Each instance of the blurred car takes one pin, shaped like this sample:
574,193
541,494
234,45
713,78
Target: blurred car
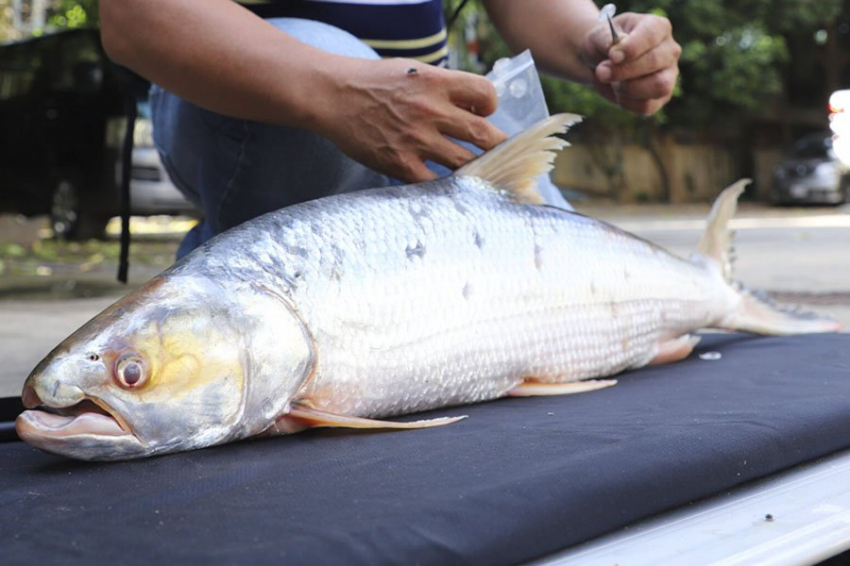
811,174
61,110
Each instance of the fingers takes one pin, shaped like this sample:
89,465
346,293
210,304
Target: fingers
606,90
641,106
458,113
406,158
644,32
412,169
655,86
441,149
597,43
472,92
642,68
478,131
396,114
446,152
662,57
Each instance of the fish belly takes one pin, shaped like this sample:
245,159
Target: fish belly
417,303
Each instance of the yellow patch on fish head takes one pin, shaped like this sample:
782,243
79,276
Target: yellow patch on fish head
186,352
167,369
167,363
191,374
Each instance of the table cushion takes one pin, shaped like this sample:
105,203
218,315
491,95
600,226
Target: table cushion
519,479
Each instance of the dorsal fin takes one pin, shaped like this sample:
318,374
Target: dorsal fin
716,240
514,164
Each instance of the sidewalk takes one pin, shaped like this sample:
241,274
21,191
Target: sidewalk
49,289
30,329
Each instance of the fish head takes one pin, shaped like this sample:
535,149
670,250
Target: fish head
166,369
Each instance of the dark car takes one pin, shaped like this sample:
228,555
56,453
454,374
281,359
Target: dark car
61,130
811,174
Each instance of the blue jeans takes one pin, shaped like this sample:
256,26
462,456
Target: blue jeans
235,169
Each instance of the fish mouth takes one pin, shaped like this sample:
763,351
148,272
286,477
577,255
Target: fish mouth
79,430
85,417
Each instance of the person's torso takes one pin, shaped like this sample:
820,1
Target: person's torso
394,28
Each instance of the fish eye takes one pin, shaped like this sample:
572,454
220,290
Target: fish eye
93,357
131,371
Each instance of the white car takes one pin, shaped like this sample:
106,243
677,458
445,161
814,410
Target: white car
811,174
151,190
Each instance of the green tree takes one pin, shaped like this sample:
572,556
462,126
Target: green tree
27,18
73,14
734,54
734,58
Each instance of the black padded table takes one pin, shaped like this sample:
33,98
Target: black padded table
519,479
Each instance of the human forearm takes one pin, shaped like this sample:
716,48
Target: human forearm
552,29
639,72
226,60
378,112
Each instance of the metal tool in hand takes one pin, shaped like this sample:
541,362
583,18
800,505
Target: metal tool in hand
607,12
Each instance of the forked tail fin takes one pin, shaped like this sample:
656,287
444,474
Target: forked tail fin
755,311
759,314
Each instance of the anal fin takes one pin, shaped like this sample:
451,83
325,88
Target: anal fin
302,417
675,349
530,388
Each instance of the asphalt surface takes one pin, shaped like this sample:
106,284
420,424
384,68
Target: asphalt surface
801,256
29,329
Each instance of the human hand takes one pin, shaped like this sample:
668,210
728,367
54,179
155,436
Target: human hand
393,115
639,72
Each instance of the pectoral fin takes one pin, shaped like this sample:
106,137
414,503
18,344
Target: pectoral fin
536,388
302,417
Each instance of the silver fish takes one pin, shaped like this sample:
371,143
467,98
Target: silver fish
362,306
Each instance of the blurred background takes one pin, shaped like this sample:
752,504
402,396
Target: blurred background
756,79
761,95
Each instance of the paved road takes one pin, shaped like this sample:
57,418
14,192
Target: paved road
30,329
800,255
803,255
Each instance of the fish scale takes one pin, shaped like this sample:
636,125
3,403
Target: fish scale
395,320
353,308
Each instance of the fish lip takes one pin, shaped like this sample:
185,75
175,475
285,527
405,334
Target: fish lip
72,429
92,438
52,425
33,402
81,446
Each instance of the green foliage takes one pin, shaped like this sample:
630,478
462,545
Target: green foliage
732,64
564,96
738,73
733,54
73,14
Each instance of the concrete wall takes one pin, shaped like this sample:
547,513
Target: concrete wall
764,162
697,172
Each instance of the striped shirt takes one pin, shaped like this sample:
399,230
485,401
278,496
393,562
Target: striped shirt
414,29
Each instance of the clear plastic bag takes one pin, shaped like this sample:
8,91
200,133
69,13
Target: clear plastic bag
522,104
521,101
